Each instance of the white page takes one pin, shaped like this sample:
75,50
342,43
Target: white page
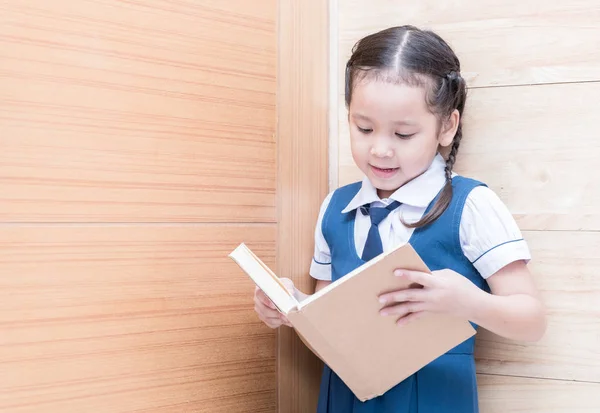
264,278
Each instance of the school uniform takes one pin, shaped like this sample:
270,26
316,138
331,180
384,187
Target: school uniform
476,236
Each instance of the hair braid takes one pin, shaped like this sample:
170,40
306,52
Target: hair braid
407,54
453,152
453,82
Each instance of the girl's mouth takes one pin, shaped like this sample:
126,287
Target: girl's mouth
383,172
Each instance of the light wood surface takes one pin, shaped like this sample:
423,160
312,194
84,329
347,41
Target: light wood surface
137,149
147,111
499,43
535,146
566,267
502,394
302,177
132,318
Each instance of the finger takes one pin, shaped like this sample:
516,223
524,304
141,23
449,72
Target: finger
273,324
409,318
267,312
423,278
403,309
275,321
410,294
284,320
289,285
269,321
260,294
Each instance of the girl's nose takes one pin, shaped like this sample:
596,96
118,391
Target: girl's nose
381,149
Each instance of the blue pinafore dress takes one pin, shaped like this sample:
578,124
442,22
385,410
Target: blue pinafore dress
446,385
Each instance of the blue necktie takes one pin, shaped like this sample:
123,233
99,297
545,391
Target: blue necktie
373,246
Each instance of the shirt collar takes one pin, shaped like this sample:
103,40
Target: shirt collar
417,193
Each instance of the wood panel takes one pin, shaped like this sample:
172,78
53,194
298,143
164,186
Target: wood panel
500,394
499,43
527,143
137,111
132,318
302,177
535,146
565,265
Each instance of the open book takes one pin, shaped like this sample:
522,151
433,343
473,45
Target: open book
341,323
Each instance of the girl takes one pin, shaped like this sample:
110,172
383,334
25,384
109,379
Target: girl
405,97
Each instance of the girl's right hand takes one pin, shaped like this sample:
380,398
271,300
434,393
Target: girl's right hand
267,311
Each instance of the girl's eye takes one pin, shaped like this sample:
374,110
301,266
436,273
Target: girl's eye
364,130
401,136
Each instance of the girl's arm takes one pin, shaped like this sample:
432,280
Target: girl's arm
266,310
512,310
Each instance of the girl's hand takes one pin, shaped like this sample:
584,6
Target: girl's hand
443,291
267,311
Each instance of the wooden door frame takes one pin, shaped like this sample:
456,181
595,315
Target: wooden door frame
302,176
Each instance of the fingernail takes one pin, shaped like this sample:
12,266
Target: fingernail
382,300
398,273
383,313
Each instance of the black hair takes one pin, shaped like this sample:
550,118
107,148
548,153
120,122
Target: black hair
416,57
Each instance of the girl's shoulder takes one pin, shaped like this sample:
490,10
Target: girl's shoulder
478,195
468,183
341,195
489,234
347,190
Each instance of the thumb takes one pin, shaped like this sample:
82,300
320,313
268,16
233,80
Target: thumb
289,284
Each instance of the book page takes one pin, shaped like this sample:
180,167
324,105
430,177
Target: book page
346,278
264,278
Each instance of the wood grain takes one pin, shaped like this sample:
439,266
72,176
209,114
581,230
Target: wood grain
500,394
130,111
499,43
132,318
302,177
534,146
565,265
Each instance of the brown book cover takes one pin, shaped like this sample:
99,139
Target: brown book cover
341,323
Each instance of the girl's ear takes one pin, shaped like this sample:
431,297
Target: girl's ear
449,128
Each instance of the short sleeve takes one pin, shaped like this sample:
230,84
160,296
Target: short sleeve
320,267
490,238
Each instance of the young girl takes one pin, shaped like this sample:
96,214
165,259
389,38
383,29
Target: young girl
406,96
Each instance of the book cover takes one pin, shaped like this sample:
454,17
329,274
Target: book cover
341,323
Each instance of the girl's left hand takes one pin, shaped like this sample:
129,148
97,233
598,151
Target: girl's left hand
442,291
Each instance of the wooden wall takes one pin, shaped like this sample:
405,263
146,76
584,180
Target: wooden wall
137,149
531,133
302,149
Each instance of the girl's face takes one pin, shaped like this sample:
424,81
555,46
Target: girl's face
394,137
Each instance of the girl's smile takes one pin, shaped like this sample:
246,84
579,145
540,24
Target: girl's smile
384,173
394,135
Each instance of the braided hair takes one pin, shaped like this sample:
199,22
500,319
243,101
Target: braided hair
419,58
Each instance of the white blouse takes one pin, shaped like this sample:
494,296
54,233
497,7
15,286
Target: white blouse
489,235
